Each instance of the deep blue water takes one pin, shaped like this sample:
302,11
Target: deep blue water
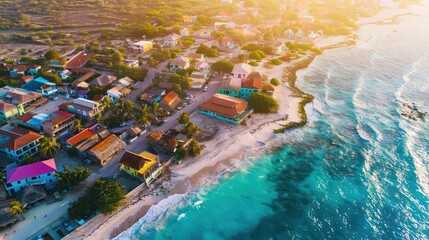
358,170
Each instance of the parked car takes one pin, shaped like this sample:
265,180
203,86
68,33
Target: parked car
205,88
179,107
68,227
87,161
80,222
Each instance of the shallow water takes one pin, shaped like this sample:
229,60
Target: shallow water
358,170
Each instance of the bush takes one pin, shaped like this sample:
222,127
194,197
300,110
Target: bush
222,66
262,103
253,63
275,81
207,51
276,61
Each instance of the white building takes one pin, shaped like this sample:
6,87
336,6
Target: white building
39,173
241,70
142,46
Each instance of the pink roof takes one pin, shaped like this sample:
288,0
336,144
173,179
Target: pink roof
31,170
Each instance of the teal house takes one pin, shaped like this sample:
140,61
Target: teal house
250,86
230,87
24,69
41,85
226,108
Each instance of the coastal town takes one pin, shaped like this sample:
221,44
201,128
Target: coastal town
91,128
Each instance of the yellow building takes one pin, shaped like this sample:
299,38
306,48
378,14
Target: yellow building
142,46
140,165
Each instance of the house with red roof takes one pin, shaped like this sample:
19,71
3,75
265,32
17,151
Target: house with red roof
39,173
24,69
14,102
250,86
79,60
228,42
229,109
16,142
170,101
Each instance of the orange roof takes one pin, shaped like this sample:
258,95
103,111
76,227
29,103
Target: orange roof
4,107
24,67
156,135
227,39
19,137
252,83
26,117
171,96
104,144
61,117
225,105
85,134
79,60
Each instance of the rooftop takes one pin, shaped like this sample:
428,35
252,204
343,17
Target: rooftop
225,105
31,170
253,83
79,60
242,68
139,162
15,138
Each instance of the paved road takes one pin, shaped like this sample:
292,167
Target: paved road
56,210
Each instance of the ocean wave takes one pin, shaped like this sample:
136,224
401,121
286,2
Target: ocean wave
152,216
406,79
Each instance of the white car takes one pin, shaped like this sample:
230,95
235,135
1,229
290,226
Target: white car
205,88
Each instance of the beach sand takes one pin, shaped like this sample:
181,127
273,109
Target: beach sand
221,152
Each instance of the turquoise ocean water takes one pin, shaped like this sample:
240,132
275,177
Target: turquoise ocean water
358,170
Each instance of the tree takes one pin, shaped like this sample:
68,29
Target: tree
48,146
77,126
107,195
190,130
143,118
183,118
17,209
194,148
53,77
207,51
275,81
52,54
222,66
117,58
71,178
156,109
262,103
182,153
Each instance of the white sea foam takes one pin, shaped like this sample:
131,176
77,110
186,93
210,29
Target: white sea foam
181,216
154,213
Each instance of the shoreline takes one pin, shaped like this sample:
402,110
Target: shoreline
195,173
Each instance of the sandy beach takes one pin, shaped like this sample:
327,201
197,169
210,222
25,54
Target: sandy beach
222,152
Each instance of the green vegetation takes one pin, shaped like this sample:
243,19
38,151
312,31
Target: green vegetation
105,196
68,178
253,63
207,51
306,98
194,149
17,209
276,61
275,81
222,66
263,103
257,55
10,82
48,146
52,54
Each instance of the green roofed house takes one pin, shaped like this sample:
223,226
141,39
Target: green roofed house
230,109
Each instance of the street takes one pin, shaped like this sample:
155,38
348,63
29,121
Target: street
30,226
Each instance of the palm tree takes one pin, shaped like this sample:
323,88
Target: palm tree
77,126
17,209
183,118
48,146
194,148
143,118
191,130
129,109
156,109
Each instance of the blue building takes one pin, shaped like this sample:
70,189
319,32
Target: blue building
250,86
42,86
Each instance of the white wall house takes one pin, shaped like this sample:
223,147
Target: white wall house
39,173
16,142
